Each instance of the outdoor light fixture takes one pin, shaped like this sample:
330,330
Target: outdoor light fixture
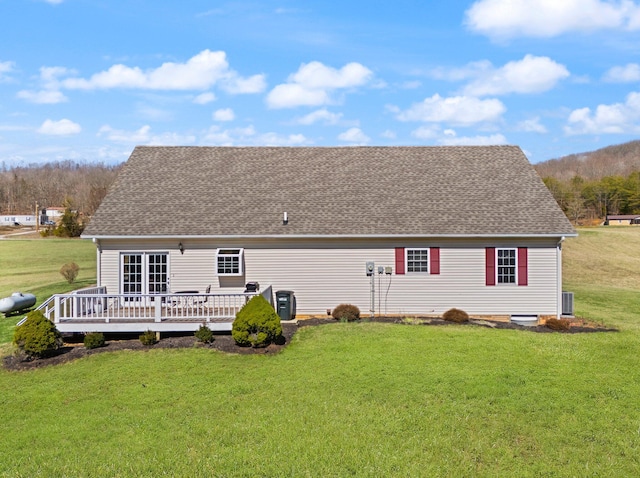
181,248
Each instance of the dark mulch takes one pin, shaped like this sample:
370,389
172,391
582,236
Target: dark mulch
74,349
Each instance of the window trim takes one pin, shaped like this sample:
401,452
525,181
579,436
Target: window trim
427,260
230,252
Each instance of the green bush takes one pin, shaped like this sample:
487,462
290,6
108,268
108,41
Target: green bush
256,324
148,338
70,271
456,315
70,224
204,334
558,324
37,336
94,340
346,313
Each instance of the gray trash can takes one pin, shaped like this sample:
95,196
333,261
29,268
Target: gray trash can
286,304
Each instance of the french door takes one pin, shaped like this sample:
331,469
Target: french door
144,273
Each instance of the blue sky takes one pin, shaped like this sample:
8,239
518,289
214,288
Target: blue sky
87,80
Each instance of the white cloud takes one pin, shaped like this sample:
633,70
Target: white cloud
144,136
224,114
623,74
426,132
354,135
200,72
389,134
275,139
249,137
237,85
531,126
607,119
532,74
5,67
323,115
292,95
462,110
314,82
502,19
451,139
49,97
204,98
64,127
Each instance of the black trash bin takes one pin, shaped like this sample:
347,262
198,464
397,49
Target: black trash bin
286,304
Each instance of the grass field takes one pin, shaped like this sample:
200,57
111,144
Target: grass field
354,399
33,266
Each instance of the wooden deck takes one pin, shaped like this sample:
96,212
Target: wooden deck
93,310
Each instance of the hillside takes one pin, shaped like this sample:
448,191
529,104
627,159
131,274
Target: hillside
617,160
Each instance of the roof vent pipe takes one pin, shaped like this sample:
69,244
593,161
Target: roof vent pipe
285,219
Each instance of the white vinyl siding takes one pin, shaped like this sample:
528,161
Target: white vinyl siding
325,273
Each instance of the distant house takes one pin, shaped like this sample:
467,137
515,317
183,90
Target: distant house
54,213
439,227
623,219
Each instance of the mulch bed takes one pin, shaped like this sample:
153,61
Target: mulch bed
74,349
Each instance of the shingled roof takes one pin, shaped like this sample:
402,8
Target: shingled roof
328,191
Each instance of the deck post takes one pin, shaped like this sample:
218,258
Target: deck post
56,310
158,309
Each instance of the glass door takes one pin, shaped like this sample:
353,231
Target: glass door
132,275
144,273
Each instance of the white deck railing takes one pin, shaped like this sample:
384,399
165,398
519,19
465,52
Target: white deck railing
143,307
92,309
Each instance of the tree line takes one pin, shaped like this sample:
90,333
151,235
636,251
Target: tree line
82,186
590,199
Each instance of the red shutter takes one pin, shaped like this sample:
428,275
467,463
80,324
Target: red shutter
434,260
490,266
399,260
523,273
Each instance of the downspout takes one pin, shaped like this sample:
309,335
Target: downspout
98,261
559,277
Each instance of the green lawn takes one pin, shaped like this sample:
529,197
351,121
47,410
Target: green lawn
350,400
33,266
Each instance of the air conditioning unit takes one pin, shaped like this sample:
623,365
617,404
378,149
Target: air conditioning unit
567,303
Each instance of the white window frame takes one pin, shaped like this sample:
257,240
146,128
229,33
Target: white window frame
407,261
230,253
515,266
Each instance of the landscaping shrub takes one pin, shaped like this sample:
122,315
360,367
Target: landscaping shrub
148,338
559,324
204,334
456,315
70,271
256,324
93,340
37,336
346,312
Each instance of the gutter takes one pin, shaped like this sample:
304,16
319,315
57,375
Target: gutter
333,236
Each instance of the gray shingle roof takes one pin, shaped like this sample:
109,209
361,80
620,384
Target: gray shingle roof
216,191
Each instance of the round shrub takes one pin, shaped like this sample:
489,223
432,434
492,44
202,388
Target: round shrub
37,336
456,315
256,324
204,334
346,313
148,338
94,340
